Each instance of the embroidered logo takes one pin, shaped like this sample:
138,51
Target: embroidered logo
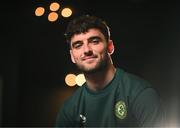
120,110
83,118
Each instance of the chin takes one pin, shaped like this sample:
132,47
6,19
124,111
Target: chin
90,70
93,67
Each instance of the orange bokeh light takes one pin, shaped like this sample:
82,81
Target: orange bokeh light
39,11
54,6
53,16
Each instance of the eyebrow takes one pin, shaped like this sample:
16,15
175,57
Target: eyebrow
89,39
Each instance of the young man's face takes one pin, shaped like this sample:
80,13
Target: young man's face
90,51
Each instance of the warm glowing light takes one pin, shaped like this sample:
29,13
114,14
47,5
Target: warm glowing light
70,80
53,16
39,11
66,12
54,6
80,79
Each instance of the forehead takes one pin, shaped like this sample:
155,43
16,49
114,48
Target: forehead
84,36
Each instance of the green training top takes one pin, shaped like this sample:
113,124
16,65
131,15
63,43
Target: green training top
127,101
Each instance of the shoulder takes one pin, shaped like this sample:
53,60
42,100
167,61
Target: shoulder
67,111
131,84
70,105
143,100
133,81
74,98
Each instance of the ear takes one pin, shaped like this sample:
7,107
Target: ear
72,57
110,47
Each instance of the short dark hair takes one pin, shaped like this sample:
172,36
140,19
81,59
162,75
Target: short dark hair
85,22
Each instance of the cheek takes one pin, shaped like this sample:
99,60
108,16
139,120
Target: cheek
99,49
76,56
103,51
104,54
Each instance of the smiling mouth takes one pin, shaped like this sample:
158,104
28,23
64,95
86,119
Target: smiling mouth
88,58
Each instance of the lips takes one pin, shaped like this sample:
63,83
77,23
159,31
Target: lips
88,58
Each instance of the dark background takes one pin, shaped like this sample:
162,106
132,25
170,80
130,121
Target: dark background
34,57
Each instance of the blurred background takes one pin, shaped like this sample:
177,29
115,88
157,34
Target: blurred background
34,56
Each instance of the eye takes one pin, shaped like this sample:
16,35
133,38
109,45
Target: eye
77,45
95,40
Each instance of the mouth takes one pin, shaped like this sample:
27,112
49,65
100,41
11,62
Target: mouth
88,58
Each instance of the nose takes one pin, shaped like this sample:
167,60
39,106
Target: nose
87,50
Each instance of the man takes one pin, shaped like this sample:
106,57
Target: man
110,97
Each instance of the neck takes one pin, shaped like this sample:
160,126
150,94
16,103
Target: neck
99,80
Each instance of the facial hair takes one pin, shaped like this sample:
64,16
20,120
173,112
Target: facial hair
100,65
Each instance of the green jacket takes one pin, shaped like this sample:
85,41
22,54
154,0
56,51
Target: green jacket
127,101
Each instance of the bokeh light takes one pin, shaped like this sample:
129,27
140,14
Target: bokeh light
53,16
54,6
80,79
54,11
39,11
70,80
66,12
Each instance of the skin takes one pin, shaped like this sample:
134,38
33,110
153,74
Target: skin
91,53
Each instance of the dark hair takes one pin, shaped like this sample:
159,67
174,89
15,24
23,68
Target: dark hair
85,22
